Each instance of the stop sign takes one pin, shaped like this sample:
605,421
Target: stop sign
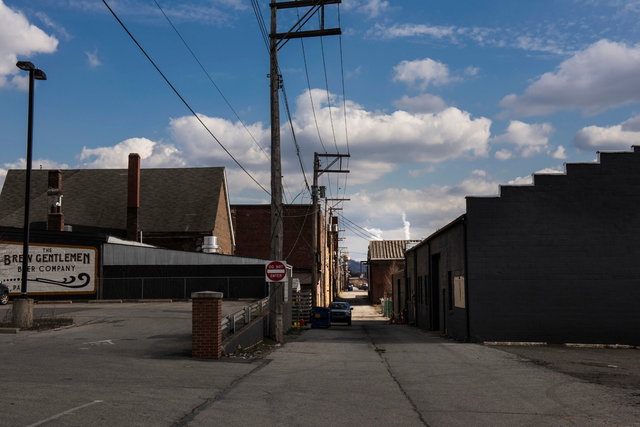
275,271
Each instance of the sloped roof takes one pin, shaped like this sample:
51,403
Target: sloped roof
171,200
388,249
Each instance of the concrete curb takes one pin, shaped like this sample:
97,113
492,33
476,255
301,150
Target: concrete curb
54,302
9,330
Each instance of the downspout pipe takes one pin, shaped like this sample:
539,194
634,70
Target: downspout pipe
466,276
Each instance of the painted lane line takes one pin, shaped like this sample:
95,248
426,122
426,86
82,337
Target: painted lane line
65,413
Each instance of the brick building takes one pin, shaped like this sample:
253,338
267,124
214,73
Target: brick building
252,230
556,261
172,208
384,258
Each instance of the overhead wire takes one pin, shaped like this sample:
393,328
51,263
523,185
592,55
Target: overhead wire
264,33
183,100
344,104
210,78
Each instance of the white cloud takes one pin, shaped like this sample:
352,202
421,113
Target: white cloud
617,137
200,148
53,25
36,164
518,38
92,57
422,72
395,137
602,76
425,103
429,208
559,153
530,139
371,8
528,180
152,155
503,154
410,30
19,38
471,71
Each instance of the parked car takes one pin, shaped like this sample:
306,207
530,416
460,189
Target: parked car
4,294
364,287
340,312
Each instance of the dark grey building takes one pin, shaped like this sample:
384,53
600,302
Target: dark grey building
556,261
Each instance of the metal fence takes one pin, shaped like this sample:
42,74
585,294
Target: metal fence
181,287
236,321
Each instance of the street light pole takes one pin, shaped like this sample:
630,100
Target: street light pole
34,74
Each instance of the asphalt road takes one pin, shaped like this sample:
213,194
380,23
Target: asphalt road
130,364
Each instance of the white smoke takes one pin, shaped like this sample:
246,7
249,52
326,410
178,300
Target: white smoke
406,226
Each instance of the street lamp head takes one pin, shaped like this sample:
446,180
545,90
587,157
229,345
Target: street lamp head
25,65
38,74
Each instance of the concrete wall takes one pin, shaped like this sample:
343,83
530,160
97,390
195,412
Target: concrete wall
558,261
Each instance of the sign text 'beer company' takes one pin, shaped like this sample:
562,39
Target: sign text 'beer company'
51,268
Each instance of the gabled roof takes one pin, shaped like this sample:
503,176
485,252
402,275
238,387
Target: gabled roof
388,249
171,200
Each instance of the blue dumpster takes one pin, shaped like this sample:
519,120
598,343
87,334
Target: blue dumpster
321,317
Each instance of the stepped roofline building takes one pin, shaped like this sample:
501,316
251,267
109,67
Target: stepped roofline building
555,261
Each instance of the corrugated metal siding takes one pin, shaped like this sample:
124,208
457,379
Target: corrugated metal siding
114,254
388,249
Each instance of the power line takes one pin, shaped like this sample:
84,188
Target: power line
261,24
326,83
182,99
210,78
356,225
295,141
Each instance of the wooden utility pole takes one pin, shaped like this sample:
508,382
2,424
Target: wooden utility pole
317,171
276,168
277,40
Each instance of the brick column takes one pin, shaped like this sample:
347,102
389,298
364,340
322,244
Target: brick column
206,326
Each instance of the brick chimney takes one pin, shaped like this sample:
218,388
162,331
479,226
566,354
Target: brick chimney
55,217
133,197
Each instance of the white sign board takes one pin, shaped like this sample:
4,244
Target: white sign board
52,269
458,291
275,271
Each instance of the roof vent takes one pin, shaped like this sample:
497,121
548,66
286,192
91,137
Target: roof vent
210,245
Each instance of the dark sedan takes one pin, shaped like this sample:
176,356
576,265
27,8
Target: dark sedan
340,312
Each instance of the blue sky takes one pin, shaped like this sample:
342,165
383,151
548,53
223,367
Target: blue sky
443,98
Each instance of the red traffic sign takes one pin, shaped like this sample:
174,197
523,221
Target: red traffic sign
275,271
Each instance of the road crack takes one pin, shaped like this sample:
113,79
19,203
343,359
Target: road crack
380,352
184,421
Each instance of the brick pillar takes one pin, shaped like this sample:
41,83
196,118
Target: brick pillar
206,325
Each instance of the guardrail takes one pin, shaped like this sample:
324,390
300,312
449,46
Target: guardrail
235,321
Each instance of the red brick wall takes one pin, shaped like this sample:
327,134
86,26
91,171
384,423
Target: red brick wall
206,326
252,226
380,273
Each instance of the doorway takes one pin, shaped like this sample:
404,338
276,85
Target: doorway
434,285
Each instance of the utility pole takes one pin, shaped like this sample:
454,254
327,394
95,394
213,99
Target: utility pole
317,171
277,41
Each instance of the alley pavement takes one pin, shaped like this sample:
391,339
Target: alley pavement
130,364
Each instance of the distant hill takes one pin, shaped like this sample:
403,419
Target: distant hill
354,267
